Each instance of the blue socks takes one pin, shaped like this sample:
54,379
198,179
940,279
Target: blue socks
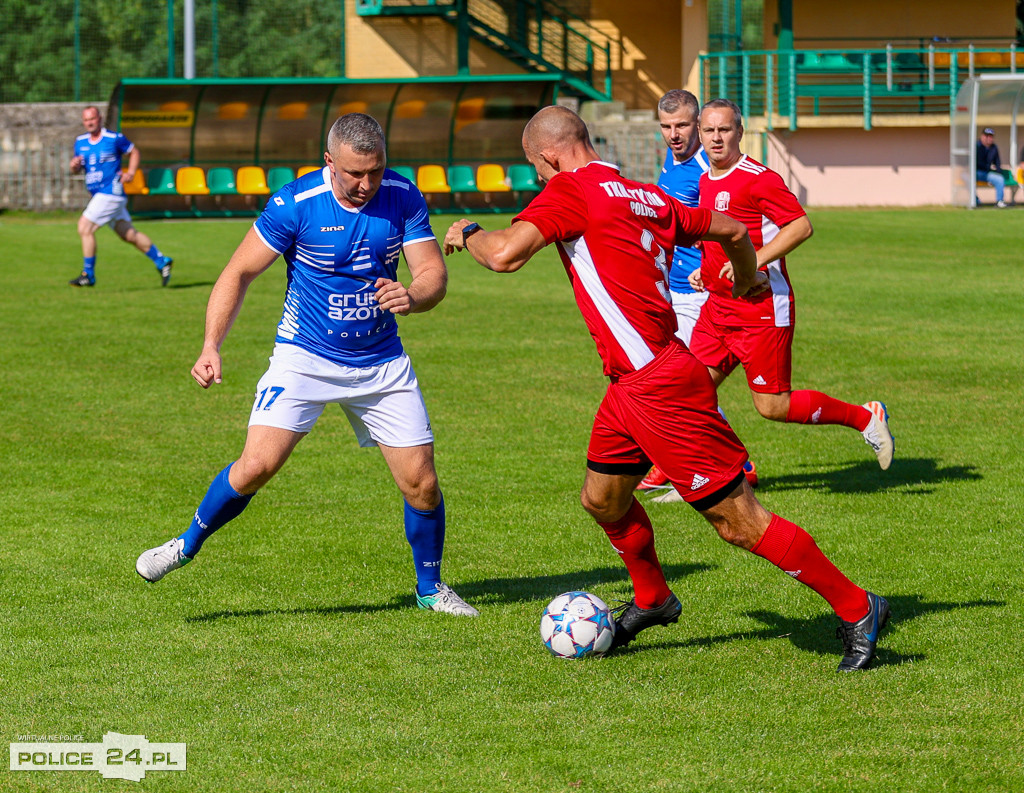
154,254
220,504
89,266
424,529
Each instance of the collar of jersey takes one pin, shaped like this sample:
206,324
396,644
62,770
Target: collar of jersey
734,166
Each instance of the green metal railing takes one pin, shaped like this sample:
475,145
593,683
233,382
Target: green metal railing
540,35
783,85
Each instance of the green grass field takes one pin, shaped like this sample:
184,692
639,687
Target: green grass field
290,656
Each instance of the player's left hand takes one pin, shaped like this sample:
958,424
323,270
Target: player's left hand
453,237
393,296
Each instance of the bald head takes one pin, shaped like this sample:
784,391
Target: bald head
555,127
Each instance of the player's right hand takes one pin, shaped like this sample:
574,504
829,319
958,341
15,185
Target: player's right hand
206,371
696,282
756,287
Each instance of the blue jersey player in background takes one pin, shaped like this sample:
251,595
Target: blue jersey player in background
340,231
685,163
99,152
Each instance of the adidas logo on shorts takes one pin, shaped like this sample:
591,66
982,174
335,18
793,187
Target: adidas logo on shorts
699,482
759,381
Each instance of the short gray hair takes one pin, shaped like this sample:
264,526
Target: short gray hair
675,99
736,112
359,131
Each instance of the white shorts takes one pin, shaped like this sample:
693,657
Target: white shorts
383,403
103,209
687,306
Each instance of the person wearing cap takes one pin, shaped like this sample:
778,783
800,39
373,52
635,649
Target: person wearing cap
990,168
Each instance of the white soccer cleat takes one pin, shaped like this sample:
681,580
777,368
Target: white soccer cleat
445,600
877,435
155,563
671,497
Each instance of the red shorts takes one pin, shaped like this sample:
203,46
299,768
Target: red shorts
666,413
766,352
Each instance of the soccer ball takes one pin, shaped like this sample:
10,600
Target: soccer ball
577,625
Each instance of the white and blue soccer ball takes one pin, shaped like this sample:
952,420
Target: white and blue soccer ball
577,625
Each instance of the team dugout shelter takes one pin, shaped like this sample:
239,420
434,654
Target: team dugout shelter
221,147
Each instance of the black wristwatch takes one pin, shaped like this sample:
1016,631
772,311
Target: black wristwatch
472,228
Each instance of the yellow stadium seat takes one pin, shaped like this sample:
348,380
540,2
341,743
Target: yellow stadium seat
191,181
175,107
355,106
233,111
411,108
308,169
469,111
432,179
293,111
490,178
137,186
252,180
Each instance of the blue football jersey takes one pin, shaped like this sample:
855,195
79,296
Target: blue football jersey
334,255
681,180
103,161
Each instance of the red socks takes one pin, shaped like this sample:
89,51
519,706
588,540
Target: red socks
792,549
633,537
814,407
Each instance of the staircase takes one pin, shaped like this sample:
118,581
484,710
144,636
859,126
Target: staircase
537,35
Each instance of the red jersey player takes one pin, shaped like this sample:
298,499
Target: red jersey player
757,332
615,238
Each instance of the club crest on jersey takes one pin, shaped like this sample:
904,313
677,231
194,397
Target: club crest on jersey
722,201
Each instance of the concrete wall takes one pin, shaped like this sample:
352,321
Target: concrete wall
854,167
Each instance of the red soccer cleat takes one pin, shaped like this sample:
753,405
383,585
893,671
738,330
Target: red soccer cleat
654,480
750,471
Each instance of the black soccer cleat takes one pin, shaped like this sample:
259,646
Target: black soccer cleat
82,280
634,619
859,638
165,270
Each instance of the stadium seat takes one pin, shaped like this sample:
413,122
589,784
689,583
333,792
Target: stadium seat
293,111
308,169
160,181
191,181
233,111
469,111
221,181
355,106
404,170
252,180
490,178
522,177
431,179
279,177
411,108
460,179
137,186
175,107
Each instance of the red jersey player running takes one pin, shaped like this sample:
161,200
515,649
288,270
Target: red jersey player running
758,332
615,238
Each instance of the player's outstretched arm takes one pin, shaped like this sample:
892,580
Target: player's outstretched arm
732,235
502,250
250,259
428,285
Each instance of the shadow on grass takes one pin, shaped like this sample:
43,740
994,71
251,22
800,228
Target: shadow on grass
819,635
915,476
189,284
486,592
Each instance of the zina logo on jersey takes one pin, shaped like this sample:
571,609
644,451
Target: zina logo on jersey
722,201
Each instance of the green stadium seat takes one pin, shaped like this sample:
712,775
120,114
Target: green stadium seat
278,177
221,181
461,179
160,181
406,171
523,177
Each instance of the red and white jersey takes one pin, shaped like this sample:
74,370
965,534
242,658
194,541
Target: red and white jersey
616,239
756,196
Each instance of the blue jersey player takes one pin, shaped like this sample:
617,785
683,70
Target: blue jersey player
99,152
685,163
340,231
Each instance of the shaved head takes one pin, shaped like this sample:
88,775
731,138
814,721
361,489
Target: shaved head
555,127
